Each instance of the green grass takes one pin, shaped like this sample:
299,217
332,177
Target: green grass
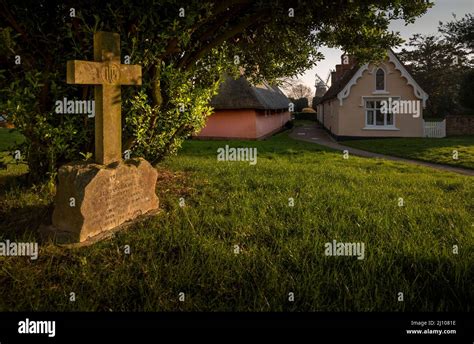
303,122
191,249
432,150
9,138
9,169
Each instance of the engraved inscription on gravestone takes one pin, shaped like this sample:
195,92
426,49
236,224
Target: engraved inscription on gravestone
111,73
106,197
119,196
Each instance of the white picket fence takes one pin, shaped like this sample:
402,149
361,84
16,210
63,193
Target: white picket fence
434,129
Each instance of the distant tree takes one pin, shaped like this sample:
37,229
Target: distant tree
183,47
466,93
460,31
299,103
300,91
439,63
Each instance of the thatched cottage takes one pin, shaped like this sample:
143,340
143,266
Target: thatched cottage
244,111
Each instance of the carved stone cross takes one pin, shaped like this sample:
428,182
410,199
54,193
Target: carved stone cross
108,74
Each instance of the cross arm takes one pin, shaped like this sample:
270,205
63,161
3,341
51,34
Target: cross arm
84,72
130,74
92,73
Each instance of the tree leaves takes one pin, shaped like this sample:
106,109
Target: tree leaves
194,51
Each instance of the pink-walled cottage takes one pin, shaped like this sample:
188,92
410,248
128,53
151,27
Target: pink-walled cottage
244,111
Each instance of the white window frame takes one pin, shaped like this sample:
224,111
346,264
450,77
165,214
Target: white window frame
374,126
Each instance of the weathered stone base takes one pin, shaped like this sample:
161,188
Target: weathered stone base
93,199
64,239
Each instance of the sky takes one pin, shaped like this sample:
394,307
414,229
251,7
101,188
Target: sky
427,24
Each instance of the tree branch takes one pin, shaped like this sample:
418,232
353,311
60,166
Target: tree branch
191,57
9,18
215,26
221,7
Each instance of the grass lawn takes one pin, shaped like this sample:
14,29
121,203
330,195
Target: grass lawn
432,150
303,123
9,170
8,138
192,249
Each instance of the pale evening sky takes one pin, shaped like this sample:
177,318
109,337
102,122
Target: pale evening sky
427,24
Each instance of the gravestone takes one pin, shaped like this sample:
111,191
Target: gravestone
93,198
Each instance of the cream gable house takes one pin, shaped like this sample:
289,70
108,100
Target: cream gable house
372,100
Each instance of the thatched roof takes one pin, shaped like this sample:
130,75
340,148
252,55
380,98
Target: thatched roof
240,94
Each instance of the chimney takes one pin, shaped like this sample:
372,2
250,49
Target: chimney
338,71
347,62
333,78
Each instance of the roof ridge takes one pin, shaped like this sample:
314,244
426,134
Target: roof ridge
241,94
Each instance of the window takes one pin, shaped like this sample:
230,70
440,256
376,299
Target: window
374,117
380,80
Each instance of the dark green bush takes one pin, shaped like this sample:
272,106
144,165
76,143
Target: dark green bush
466,92
305,116
299,104
289,124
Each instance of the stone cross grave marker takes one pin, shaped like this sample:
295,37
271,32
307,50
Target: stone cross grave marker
108,74
95,199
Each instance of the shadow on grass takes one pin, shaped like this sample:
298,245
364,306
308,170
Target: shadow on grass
229,284
280,144
24,222
22,208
